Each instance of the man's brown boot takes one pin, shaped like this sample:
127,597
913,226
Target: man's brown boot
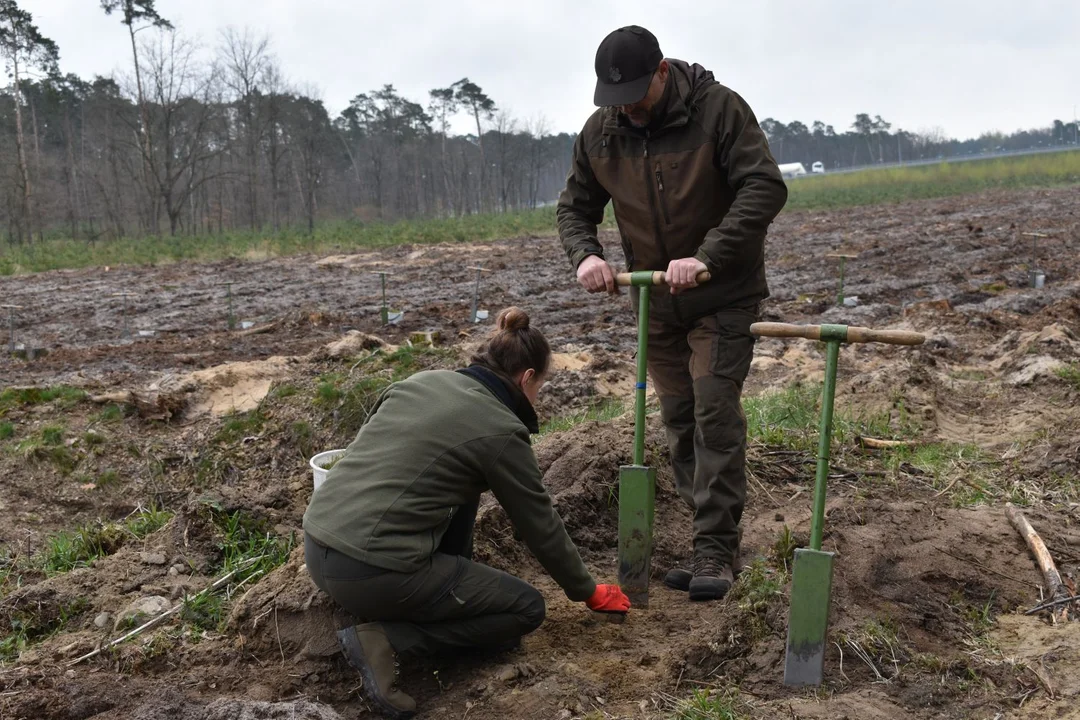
712,579
367,649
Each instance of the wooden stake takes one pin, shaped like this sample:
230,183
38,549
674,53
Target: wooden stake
1042,556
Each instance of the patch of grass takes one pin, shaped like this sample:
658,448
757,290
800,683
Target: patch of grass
786,417
301,434
892,185
66,397
963,468
107,479
147,521
981,617
93,438
7,430
758,588
52,435
877,643
791,418
48,445
237,426
111,414
284,390
328,394
783,550
67,550
711,704
249,545
212,469
27,628
605,411
204,611
9,577
1071,374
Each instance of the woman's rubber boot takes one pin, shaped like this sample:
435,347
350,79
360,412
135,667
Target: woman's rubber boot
367,649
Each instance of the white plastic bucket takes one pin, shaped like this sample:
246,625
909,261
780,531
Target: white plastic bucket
319,461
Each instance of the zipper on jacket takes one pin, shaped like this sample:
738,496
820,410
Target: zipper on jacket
660,193
652,197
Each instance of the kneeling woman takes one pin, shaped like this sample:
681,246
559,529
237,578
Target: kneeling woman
388,535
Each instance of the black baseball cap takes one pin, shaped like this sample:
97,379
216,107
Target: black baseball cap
625,63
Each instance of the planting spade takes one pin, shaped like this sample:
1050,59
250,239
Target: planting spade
844,257
11,325
476,315
811,577
388,316
637,483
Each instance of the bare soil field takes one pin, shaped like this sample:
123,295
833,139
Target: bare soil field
184,447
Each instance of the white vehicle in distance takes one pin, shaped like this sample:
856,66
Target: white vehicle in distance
818,167
790,170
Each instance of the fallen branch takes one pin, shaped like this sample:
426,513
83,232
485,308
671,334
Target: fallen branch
223,580
881,444
1053,603
258,329
842,472
1042,556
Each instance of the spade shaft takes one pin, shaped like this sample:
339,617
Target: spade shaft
817,521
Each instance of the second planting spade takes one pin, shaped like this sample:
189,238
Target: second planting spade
811,576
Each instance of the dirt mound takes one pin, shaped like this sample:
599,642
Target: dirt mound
285,612
581,471
352,343
217,391
580,379
232,387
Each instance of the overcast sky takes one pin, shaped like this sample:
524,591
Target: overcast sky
966,66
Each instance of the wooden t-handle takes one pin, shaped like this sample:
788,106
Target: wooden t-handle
659,277
851,334
889,337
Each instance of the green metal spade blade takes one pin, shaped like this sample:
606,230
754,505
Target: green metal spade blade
808,621
637,488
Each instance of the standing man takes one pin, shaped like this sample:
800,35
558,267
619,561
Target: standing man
694,187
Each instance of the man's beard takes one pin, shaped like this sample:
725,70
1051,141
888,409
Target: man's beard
642,123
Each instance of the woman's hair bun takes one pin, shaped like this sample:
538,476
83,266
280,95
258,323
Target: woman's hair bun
513,318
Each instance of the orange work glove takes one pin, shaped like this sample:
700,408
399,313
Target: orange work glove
608,598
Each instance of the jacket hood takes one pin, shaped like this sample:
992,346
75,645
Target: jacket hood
686,83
